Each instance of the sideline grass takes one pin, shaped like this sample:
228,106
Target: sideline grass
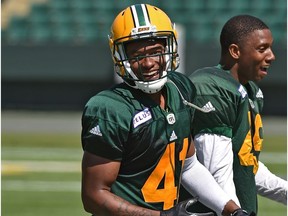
67,147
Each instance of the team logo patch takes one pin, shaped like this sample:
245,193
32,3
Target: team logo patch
171,118
141,117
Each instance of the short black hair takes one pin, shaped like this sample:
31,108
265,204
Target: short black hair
237,28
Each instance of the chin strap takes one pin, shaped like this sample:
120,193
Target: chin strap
185,102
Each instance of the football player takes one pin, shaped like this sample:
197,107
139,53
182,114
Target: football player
229,138
136,136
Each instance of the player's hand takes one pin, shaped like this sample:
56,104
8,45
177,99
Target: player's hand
181,209
241,212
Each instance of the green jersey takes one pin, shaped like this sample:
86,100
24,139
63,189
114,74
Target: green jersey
124,124
235,114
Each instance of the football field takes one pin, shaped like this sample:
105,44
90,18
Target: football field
41,163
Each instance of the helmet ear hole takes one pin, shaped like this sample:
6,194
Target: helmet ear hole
176,61
119,69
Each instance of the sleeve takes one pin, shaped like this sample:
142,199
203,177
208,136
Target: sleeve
102,132
270,186
197,180
97,140
215,153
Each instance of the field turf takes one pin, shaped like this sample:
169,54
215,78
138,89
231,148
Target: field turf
41,174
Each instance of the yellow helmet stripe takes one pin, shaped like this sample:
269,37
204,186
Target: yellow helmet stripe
140,15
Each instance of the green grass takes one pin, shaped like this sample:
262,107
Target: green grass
63,140
46,193
30,201
41,203
274,144
271,208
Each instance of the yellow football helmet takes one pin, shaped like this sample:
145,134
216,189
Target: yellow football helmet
141,21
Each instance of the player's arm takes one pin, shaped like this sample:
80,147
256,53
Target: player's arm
198,181
270,185
98,175
216,154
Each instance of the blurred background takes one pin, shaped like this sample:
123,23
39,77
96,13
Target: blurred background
56,53
55,56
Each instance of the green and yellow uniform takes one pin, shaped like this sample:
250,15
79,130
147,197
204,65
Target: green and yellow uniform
124,124
235,115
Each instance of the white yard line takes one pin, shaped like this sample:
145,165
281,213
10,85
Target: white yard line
61,122
9,166
41,153
41,186
16,166
22,166
44,122
273,157
75,154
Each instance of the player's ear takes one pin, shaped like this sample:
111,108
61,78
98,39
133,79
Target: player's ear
234,51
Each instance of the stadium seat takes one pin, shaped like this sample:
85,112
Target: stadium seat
107,5
200,27
121,5
59,4
87,33
39,34
172,5
237,7
62,17
261,5
39,13
279,5
63,34
39,23
17,30
86,20
81,5
195,5
82,16
218,6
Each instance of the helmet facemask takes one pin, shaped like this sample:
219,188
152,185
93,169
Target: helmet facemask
169,61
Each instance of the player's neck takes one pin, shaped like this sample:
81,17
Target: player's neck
159,98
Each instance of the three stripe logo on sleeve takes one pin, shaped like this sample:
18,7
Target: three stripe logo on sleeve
209,107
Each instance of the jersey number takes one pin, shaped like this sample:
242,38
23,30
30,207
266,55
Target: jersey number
246,157
165,169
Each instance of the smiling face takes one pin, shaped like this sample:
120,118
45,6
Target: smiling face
146,58
255,56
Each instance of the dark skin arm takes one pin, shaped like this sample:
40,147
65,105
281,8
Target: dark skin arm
98,174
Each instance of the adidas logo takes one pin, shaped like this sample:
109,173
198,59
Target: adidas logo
259,94
173,136
208,107
96,131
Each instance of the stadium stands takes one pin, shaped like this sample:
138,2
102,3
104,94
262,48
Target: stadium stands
84,21
56,55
